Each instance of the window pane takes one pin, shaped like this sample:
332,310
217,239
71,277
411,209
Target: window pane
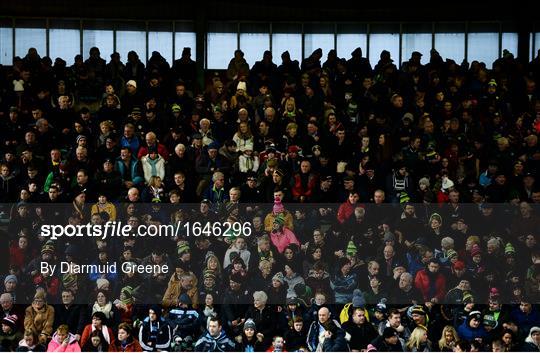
347,43
185,39
420,42
101,39
30,38
65,44
161,42
6,46
317,40
253,45
221,47
127,41
379,42
483,47
451,45
510,42
291,42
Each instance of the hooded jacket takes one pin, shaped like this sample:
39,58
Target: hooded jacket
466,332
529,345
56,346
156,332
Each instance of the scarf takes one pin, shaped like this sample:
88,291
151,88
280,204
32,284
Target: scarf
107,309
104,332
265,255
153,163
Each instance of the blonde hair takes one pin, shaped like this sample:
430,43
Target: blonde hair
416,338
442,342
106,123
64,329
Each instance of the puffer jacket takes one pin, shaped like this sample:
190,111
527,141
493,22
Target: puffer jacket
343,287
72,346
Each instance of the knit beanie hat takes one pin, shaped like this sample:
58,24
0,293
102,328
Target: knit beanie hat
101,283
127,291
9,278
47,248
474,315
279,219
451,253
358,300
476,250
182,249
69,279
209,274
437,217
250,324
279,277
509,249
352,250
418,309
11,321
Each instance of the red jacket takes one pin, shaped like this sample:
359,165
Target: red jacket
422,283
298,190
161,149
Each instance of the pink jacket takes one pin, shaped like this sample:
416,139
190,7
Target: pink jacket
73,345
283,239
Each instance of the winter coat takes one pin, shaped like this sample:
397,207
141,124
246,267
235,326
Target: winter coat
134,167
153,167
9,341
336,343
291,282
170,298
158,333
74,316
283,239
72,346
184,322
343,287
422,282
208,343
468,333
41,322
361,335
109,336
132,345
313,334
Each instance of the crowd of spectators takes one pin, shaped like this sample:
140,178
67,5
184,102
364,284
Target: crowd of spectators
390,209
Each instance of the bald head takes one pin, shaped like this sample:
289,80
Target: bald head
324,315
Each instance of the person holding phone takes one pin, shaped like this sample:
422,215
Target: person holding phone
63,341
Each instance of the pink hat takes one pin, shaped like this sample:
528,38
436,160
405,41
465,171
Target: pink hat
476,250
278,206
10,320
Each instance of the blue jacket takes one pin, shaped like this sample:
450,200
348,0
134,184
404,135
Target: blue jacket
468,333
343,287
523,321
158,333
313,334
184,322
134,166
132,144
222,343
